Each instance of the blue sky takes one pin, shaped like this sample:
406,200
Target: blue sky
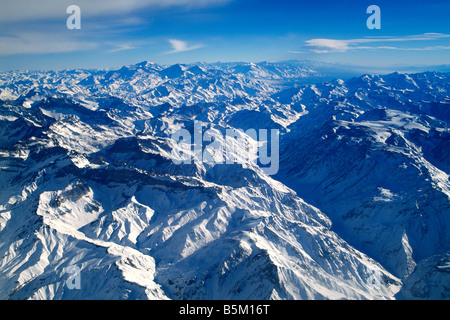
34,35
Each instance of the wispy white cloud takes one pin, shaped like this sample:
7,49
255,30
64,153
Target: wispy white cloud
335,45
39,27
182,46
33,10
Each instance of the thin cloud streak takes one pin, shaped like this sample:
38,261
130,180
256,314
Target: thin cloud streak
335,45
37,43
43,10
123,47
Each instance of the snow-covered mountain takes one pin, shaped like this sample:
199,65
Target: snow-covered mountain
358,210
373,154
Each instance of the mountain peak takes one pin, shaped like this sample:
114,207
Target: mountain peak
174,71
